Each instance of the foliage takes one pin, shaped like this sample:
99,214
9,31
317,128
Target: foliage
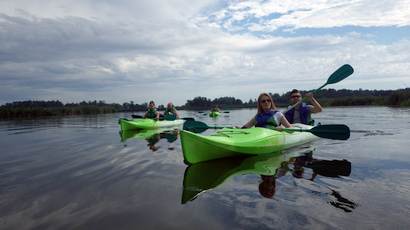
327,97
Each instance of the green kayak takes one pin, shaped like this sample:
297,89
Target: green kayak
232,141
214,114
145,123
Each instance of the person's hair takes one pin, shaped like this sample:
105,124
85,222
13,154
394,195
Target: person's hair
267,192
294,91
272,105
151,102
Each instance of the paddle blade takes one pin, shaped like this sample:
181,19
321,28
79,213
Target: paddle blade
170,117
343,72
195,126
335,132
136,116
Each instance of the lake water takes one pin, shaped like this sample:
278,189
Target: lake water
77,173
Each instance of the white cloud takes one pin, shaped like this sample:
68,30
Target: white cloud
312,14
137,51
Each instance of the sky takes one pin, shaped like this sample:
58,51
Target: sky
175,50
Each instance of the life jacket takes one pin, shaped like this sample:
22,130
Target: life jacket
304,114
169,111
266,119
151,113
170,114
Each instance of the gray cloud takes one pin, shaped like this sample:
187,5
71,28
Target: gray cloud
142,51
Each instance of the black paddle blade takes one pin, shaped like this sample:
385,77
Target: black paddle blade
195,126
136,116
343,72
335,132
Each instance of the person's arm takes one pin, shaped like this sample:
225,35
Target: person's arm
157,116
250,123
285,122
176,114
145,114
316,107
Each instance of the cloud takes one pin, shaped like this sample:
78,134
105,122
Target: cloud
269,16
163,51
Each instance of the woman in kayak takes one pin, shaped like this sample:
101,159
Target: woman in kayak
170,112
152,111
268,116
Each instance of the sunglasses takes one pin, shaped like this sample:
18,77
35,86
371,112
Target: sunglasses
267,100
295,96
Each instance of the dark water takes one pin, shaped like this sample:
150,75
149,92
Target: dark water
75,173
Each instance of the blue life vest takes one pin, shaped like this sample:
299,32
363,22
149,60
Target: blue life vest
266,118
304,114
151,113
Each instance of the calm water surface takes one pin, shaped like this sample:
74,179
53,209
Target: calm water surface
78,173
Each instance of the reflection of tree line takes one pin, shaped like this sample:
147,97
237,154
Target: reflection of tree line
207,175
151,136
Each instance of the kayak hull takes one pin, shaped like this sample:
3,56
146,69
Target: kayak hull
143,123
231,141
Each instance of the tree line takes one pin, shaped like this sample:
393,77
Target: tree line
327,97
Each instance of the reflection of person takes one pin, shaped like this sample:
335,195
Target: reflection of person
267,187
152,141
151,111
267,116
215,109
170,112
171,136
301,113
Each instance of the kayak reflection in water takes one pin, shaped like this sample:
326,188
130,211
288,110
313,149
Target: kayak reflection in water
326,168
171,136
267,116
267,186
152,136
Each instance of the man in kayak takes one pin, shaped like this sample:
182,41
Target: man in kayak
267,116
170,112
300,112
215,109
151,111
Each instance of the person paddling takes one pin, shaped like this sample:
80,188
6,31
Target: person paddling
267,116
151,111
170,112
299,112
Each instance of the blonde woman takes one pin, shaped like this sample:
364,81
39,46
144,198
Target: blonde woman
268,116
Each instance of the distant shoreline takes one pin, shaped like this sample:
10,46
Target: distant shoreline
327,98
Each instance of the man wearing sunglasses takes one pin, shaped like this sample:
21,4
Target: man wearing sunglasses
300,112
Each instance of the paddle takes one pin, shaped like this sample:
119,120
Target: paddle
343,72
335,132
184,118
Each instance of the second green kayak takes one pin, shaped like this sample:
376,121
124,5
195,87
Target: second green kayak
144,123
232,141
214,114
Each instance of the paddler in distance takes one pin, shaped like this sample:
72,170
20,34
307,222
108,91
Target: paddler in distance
300,112
267,116
170,112
151,111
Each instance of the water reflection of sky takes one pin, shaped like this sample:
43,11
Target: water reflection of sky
75,172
